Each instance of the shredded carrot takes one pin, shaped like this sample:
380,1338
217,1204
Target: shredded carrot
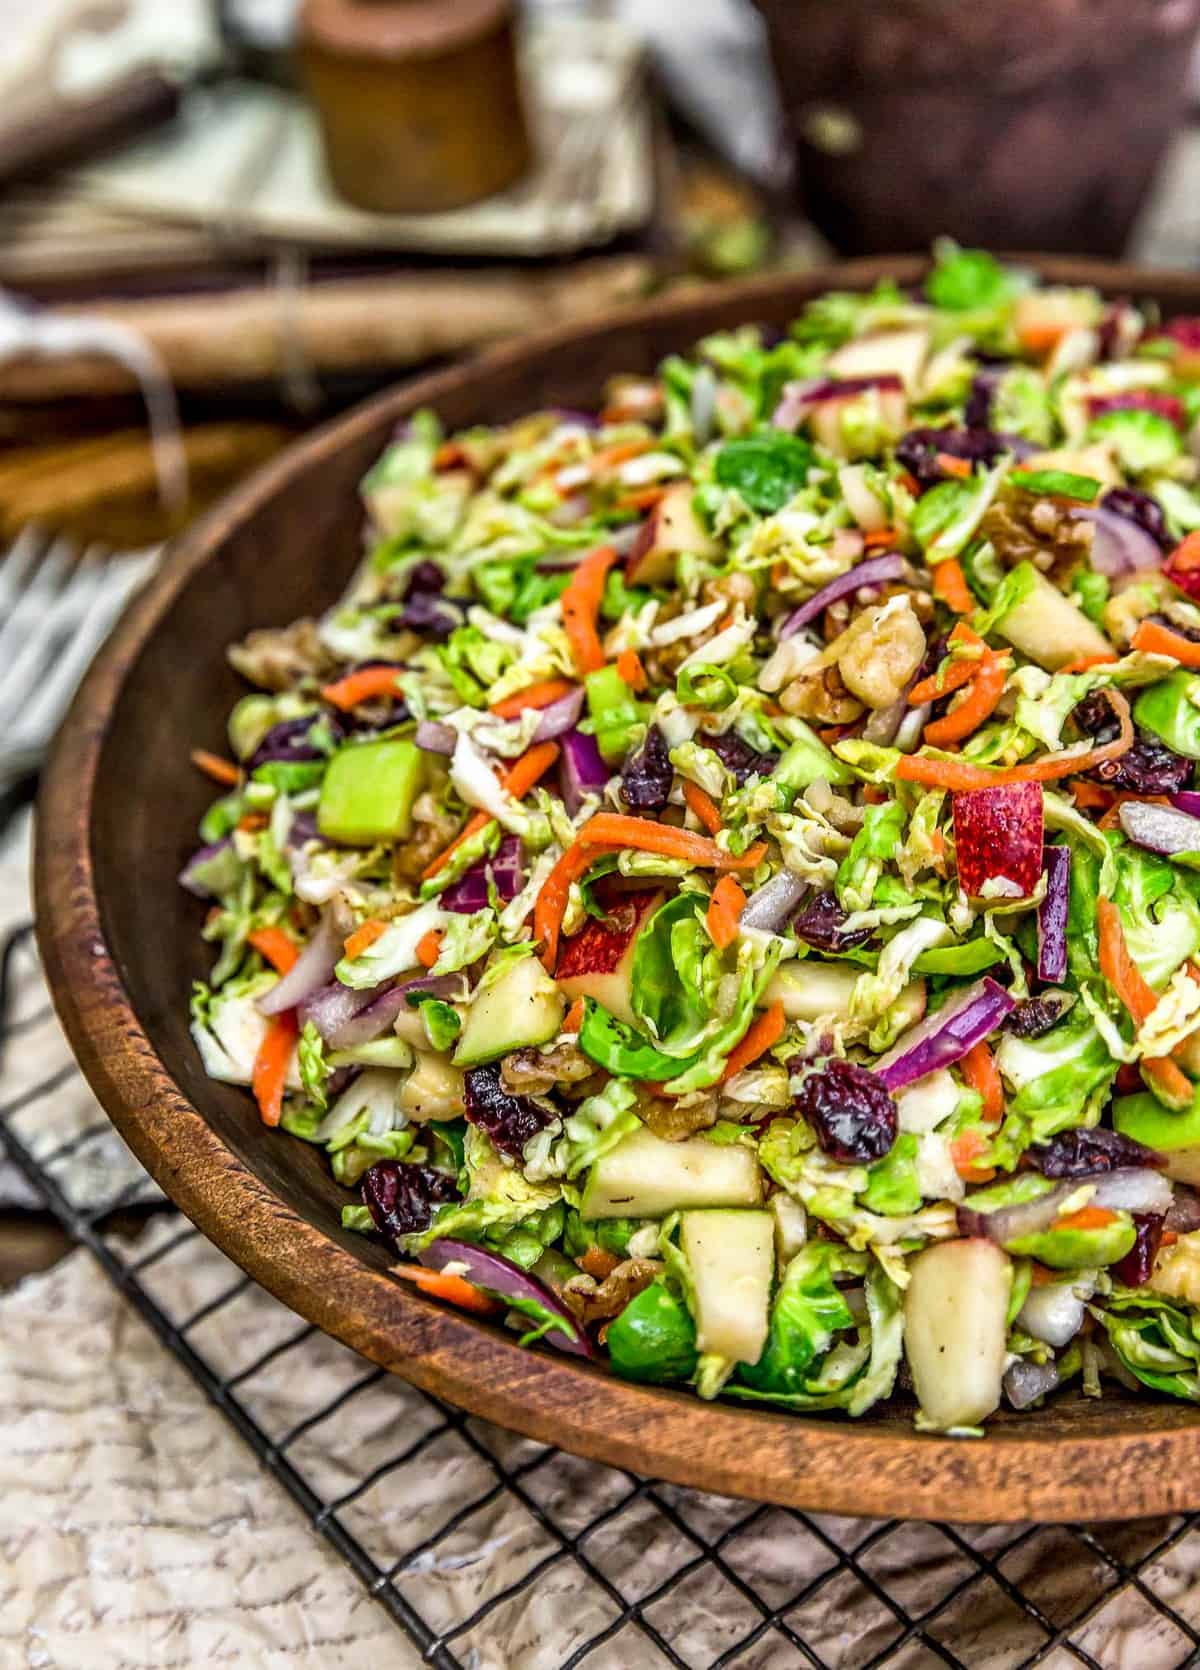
609,457
979,1071
614,829
428,947
1138,996
909,482
881,539
705,808
950,465
212,765
581,608
958,775
1160,640
609,830
523,775
950,585
1039,336
362,686
873,795
1169,1238
645,498
251,822
766,1030
724,909
1185,558
447,455
964,1151
538,695
980,702
953,672
1087,1217
1087,662
1092,797
597,1263
273,944
271,1065
363,937
573,1019
453,1289
630,669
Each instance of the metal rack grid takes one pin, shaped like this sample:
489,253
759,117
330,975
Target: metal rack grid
856,1570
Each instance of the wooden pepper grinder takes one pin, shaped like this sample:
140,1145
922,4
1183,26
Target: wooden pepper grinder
418,100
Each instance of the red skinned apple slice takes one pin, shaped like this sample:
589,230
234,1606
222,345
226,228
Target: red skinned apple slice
1182,567
671,529
998,838
597,962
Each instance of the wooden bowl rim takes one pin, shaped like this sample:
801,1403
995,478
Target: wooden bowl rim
826,1465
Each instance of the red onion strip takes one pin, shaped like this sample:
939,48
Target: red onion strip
875,571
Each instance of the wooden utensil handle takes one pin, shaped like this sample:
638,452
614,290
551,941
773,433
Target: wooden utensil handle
76,130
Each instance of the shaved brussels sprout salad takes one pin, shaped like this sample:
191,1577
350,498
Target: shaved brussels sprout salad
723,884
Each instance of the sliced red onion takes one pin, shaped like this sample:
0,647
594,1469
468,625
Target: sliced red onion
1052,915
372,1020
333,1007
884,722
507,1281
875,571
1187,800
1183,1214
1161,829
1025,1382
188,877
814,391
435,737
309,972
1119,546
470,892
623,539
581,770
944,1037
908,738
560,716
1117,1191
769,908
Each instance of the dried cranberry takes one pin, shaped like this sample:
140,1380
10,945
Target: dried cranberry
426,612
819,924
1037,1015
739,758
424,576
1139,508
508,1121
978,411
850,1110
1168,406
1136,1268
1083,1153
1148,767
918,451
401,1197
646,778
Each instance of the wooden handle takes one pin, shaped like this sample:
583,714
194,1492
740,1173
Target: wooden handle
76,130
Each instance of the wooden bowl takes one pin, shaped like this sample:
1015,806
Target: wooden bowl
121,945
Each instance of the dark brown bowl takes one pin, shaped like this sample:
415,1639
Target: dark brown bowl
121,945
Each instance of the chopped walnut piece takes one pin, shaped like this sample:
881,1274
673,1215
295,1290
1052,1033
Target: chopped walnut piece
277,658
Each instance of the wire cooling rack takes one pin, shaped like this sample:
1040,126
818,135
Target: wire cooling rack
616,1570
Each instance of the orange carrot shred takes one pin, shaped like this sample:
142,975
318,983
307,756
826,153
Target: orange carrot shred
1160,640
1087,662
724,910
765,1031
533,764
960,774
645,498
271,1065
1138,996
573,1019
950,465
538,695
455,1290
630,669
965,1149
598,1263
980,702
362,686
881,539
703,806
363,937
979,1070
581,608
1087,1217
212,765
251,822
950,585
428,947
275,946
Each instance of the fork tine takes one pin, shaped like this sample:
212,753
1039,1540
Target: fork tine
40,717
18,562
51,574
35,637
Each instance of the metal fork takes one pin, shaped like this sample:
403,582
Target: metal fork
56,608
